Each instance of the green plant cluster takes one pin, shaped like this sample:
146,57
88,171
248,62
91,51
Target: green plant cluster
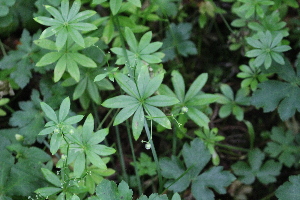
149,99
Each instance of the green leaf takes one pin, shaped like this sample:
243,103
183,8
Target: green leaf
49,58
93,91
161,101
55,142
54,12
76,36
74,119
95,160
108,190
60,68
178,82
282,146
64,109
74,9
80,88
198,117
83,60
64,9
265,173
125,113
115,6
121,101
127,85
51,177
130,39
49,112
48,191
138,121
201,185
153,85
143,80
290,189
196,86
136,3
158,116
61,38
79,164
73,69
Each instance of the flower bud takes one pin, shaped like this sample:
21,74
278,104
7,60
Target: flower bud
19,137
148,146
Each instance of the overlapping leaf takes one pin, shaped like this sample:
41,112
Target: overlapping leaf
196,157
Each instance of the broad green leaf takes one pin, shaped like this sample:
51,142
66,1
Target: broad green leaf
64,109
227,91
83,15
47,21
49,58
282,146
76,36
290,189
115,6
88,127
145,40
51,177
153,85
136,2
61,38
143,80
121,101
81,26
151,48
80,88
130,39
108,190
201,185
265,173
198,117
127,85
179,85
196,86
65,9
48,191
83,60
172,169
93,91
125,113
138,121
74,9
161,101
225,110
46,44
98,136
55,142
151,58
49,112
202,99
54,12
47,131
158,116
73,69
103,150
60,68
95,159
74,119
79,164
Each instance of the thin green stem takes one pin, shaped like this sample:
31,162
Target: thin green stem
232,147
120,151
122,39
160,182
2,48
134,158
104,119
226,23
174,141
